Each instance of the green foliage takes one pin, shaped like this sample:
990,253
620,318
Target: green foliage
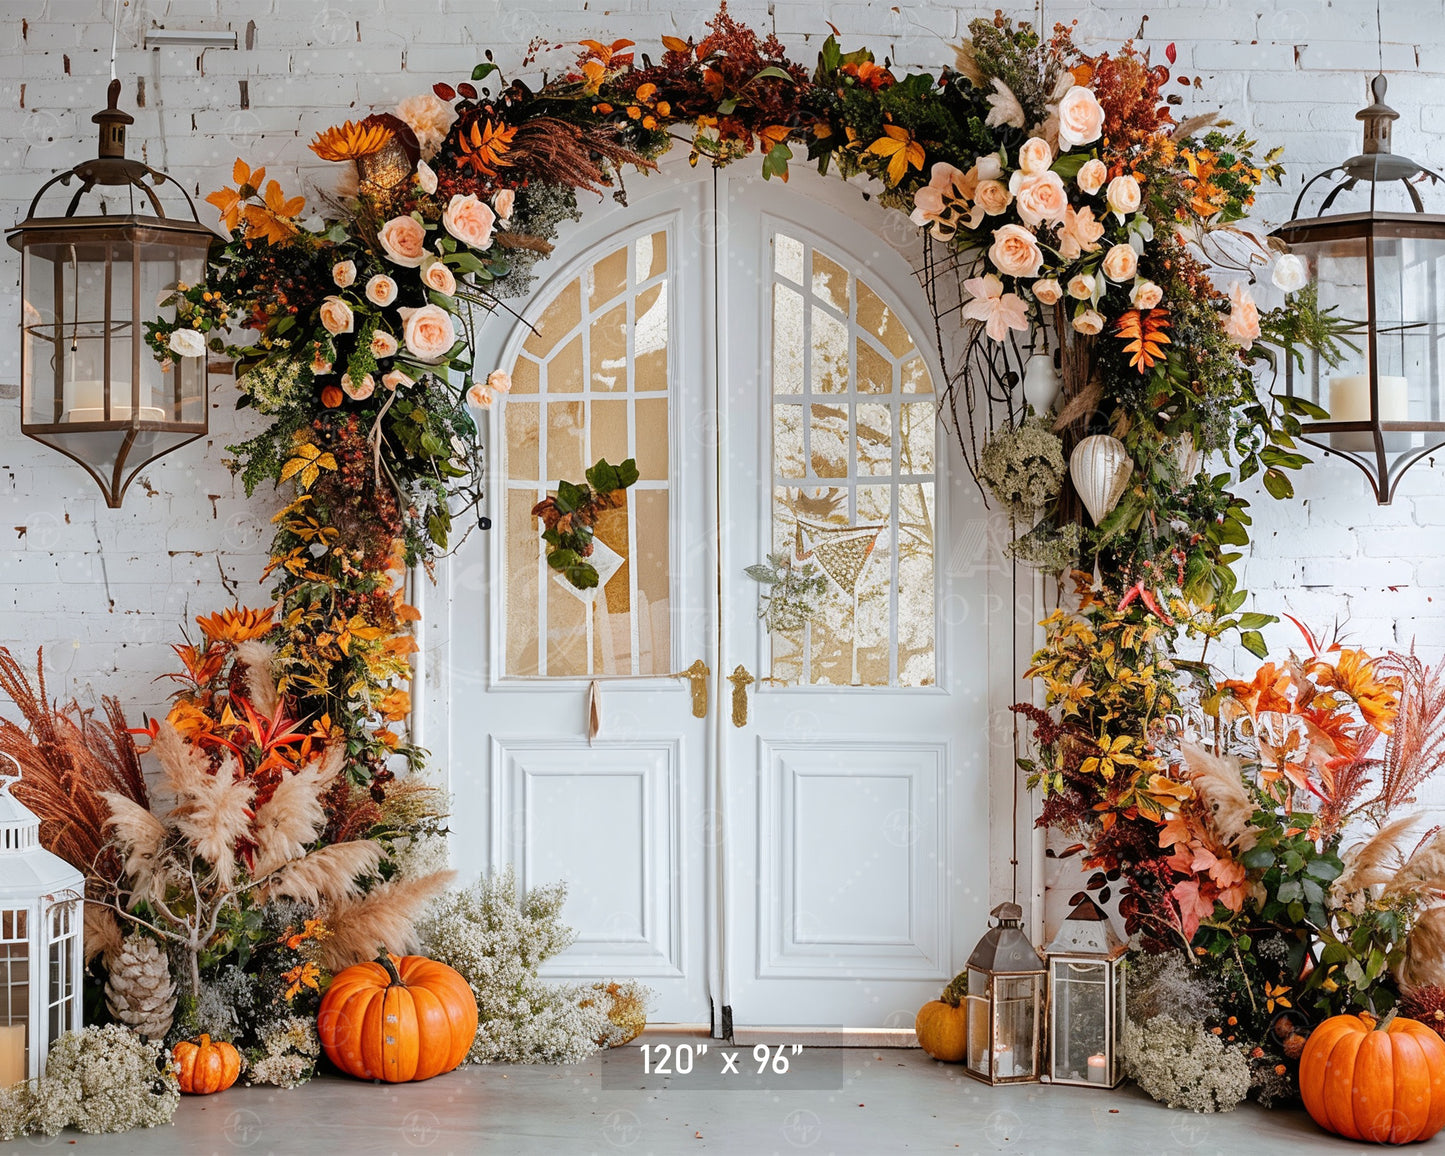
790,592
569,516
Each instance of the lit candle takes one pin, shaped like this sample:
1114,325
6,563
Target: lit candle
85,401
1003,1062
1098,1070
1350,401
12,1054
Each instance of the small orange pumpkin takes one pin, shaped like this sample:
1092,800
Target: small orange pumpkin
1378,1081
941,1026
397,1019
205,1065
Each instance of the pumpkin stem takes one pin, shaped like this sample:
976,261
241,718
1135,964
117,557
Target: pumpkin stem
204,1041
1389,1018
953,994
385,960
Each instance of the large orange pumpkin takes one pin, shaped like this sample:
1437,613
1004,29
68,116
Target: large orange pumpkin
204,1065
941,1028
397,1019
1378,1081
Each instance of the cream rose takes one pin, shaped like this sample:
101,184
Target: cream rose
502,202
1242,324
428,332
1123,195
480,396
1081,117
499,381
426,177
992,197
1039,198
395,378
1092,176
1090,321
1291,273
186,343
987,167
1081,286
403,240
358,392
1015,252
1047,291
470,221
1146,295
1035,156
381,290
344,274
1120,263
336,316
383,344
435,275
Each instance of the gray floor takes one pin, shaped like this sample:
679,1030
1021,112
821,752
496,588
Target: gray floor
881,1101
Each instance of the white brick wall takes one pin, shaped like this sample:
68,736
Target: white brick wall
104,590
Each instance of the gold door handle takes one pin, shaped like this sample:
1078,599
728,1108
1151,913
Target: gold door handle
697,674
741,680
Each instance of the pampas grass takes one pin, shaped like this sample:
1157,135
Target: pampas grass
1424,962
257,660
384,916
1376,860
327,873
294,815
1219,783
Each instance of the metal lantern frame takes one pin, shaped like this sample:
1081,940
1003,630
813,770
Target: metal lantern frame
41,941
1379,456
1004,972
1086,946
107,253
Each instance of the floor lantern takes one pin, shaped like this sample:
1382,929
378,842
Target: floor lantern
1086,999
40,942
89,281
1385,271
1004,1004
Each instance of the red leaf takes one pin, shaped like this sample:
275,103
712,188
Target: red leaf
467,90
1170,54
1096,880
444,91
1077,897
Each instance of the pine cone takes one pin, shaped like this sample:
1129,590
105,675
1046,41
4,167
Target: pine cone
139,991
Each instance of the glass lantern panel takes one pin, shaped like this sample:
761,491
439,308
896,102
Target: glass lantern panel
14,996
1015,1031
976,1021
1409,310
63,926
1119,1021
1079,1021
176,392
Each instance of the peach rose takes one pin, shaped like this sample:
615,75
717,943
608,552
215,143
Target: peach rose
1090,321
502,202
1081,117
1081,286
395,378
1035,156
1120,263
1242,325
470,221
499,381
1015,252
358,392
1047,291
426,177
435,275
344,274
1080,232
428,332
480,396
1146,295
992,197
1039,198
383,344
1123,195
1092,176
319,365
381,290
336,316
403,240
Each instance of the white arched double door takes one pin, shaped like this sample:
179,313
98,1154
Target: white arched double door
810,846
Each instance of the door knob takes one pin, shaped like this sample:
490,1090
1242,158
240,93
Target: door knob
697,674
741,680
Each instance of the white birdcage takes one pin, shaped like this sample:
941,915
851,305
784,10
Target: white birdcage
40,942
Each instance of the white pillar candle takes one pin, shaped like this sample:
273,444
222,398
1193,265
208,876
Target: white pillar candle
1003,1062
12,1054
1098,1070
1350,401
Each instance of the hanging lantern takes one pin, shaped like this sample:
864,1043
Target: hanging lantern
1086,999
1385,271
1100,467
40,942
90,386
1004,1003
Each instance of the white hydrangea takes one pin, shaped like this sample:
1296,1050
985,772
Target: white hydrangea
290,1049
497,943
1184,1065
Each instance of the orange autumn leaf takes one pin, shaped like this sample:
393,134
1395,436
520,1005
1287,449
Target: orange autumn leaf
1265,692
346,142
1143,330
901,150
238,624
484,146
609,53
773,135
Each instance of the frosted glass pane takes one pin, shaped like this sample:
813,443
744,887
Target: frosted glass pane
649,339
788,441
562,315
609,349
829,353
827,435
874,437
916,378
651,257
875,372
788,257
830,282
787,340
877,320
606,279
